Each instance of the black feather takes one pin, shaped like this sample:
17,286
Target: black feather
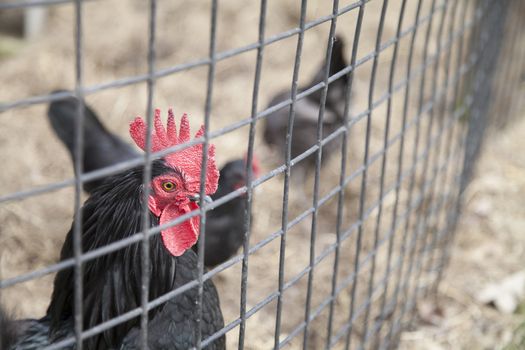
102,147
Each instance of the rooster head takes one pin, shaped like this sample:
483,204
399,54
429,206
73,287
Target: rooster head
175,193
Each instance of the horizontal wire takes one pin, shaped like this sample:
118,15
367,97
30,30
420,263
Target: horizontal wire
163,72
346,282
155,230
117,168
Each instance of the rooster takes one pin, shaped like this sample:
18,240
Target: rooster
307,112
112,283
224,224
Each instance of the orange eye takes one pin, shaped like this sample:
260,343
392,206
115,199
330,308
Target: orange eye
168,186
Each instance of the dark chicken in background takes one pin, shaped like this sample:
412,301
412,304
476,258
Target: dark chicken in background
224,224
112,283
304,134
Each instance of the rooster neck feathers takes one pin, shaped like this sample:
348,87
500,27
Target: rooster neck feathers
112,283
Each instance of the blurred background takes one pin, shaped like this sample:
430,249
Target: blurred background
37,56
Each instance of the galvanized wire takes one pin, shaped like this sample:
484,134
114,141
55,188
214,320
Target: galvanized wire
145,244
342,177
204,168
249,174
288,168
315,200
79,156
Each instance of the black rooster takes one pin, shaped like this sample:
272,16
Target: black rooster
307,111
112,283
224,224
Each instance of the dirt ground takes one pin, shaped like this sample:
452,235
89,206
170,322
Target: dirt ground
489,242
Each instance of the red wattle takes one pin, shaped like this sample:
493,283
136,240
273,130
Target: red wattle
179,238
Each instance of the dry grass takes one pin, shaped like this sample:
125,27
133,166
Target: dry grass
32,230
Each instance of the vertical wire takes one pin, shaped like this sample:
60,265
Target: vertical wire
289,132
421,224
342,177
319,154
204,164
474,39
466,95
359,235
441,116
401,153
419,261
365,172
455,107
249,173
79,157
383,166
494,51
145,244
415,154
435,185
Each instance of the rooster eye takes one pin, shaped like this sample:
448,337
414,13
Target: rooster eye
168,186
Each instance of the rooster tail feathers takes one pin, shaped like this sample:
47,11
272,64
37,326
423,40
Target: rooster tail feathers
62,116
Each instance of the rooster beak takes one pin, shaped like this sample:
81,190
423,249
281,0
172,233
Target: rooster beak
197,198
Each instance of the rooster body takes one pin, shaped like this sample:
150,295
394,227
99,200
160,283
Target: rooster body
112,283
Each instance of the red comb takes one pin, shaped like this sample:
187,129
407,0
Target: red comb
188,161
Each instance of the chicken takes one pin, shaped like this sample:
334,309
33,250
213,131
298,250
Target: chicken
224,224
112,283
304,134
101,147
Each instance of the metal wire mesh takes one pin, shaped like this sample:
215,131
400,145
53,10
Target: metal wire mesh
435,89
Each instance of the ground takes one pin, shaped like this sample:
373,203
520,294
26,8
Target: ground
489,241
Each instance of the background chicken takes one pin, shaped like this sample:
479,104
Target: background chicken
224,224
307,113
112,283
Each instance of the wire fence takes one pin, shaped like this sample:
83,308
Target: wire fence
425,78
